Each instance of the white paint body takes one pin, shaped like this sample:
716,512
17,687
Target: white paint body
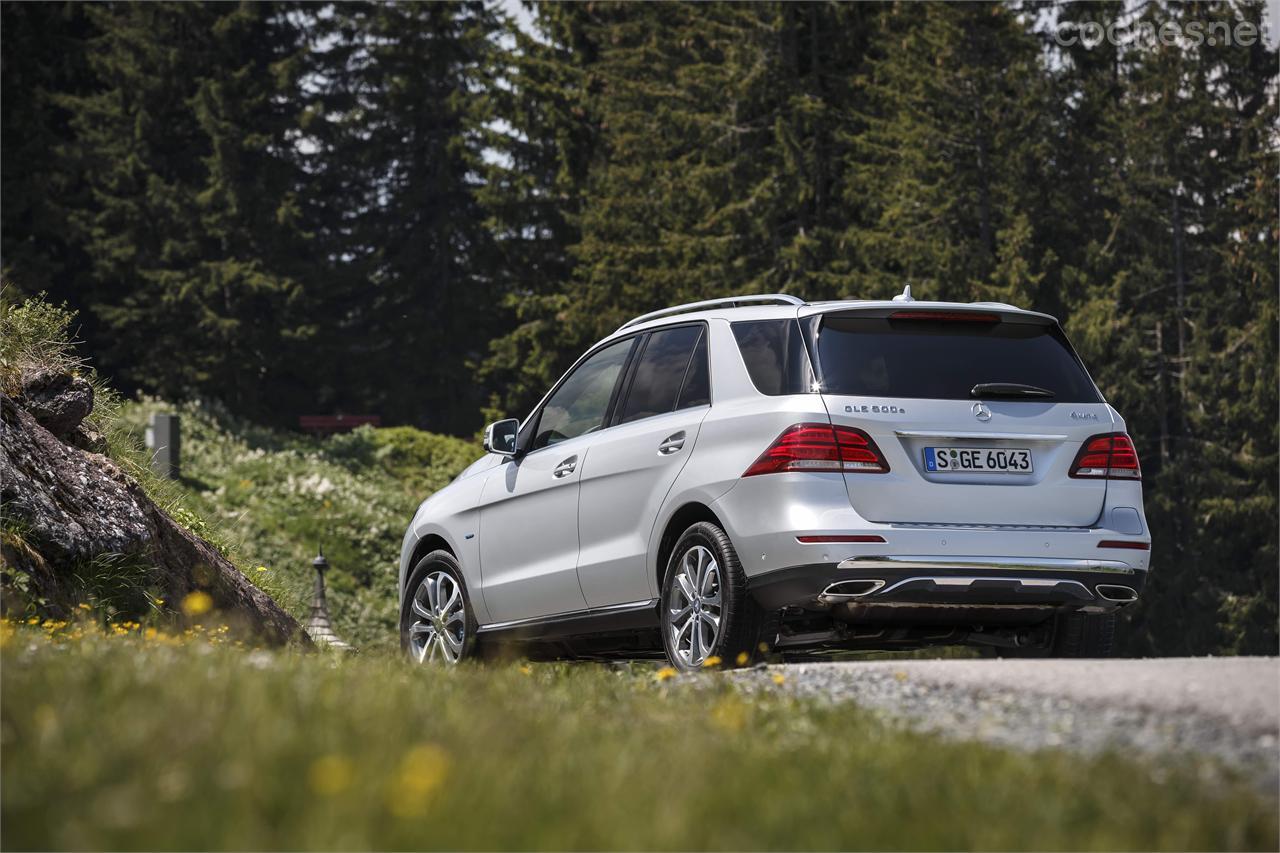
532,545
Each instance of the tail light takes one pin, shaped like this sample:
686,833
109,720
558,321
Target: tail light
820,447
1107,457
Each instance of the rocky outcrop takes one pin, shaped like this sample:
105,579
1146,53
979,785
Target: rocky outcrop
73,507
58,401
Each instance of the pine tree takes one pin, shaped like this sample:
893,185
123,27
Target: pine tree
1163,309
533,195
43,59
190,228
714,164
947,160
398,118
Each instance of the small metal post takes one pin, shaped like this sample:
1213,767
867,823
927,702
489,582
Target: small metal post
321,565
164,441
319,626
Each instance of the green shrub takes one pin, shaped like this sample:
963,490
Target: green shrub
275,498
34,334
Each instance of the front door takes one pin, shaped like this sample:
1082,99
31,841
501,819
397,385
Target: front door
529,507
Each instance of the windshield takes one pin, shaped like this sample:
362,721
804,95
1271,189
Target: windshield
945,359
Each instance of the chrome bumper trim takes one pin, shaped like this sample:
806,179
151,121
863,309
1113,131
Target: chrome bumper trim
999,436
966,582
1019,564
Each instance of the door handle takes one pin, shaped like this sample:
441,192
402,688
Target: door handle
565,468
671,444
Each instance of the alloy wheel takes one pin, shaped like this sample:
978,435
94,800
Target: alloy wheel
439,627
694,607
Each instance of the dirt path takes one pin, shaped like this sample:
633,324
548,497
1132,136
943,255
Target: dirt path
1224,707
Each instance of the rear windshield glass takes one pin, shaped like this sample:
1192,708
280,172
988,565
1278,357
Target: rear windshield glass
944,360
774,353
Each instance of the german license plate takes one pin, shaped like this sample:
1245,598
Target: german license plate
959,460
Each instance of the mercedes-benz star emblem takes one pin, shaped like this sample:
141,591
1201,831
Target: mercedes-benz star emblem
981,412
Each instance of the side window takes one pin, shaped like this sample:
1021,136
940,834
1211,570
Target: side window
697,380
578,406
659,373
774,353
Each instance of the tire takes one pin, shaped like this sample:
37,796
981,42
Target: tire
434,625
1084,635
726,621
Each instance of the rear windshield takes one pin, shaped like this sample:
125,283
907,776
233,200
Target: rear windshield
943,360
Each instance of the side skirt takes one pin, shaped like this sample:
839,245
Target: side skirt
617,618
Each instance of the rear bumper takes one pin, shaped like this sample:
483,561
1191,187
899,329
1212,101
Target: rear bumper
785,520
876,585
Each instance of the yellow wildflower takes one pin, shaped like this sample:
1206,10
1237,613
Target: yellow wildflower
197,603
779,678
763,647
665,673
711,661
330,775
729,714
742,658
525,669
262,568
83,606
420,776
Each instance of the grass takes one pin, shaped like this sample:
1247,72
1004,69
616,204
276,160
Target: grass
128,743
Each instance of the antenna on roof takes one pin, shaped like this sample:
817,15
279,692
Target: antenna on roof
904,296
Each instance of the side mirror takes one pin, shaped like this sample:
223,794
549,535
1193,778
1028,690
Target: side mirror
500,437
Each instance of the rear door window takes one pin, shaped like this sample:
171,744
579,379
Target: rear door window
774,353
697,380
944,360
660,373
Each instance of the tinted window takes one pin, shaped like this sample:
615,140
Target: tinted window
775,357
578,406
660,373
941,360
697,380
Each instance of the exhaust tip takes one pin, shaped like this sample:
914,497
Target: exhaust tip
1116,593
845,590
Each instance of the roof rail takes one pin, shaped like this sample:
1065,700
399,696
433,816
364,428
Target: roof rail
724,302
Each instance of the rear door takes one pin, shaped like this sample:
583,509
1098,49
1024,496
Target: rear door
978,413
633,463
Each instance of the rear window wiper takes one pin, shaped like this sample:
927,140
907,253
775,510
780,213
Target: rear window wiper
1008,389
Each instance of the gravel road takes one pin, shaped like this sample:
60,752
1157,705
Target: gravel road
1228,708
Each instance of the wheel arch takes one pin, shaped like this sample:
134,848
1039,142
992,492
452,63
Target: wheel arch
688,514
428,543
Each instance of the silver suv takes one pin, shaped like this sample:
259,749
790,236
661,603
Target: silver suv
754,474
